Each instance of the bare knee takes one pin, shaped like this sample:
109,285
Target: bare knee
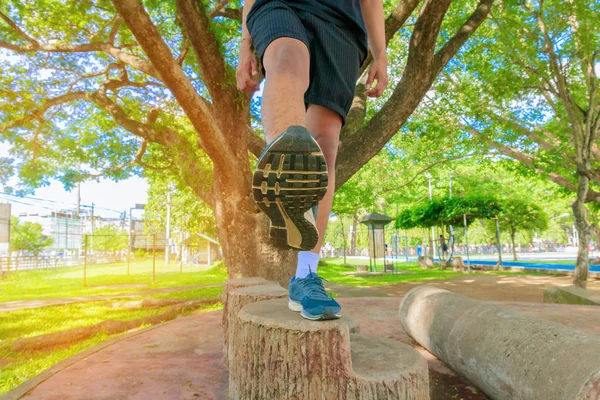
288,59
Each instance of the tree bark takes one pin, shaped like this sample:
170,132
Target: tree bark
228,287
584,230
243,232
239,297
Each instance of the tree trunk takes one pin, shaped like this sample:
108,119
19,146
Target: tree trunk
584,230
243,233
596,230
354,235
499,245
514,248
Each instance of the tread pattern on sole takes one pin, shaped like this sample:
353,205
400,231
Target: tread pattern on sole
295,181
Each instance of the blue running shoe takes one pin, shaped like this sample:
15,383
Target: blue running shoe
308,296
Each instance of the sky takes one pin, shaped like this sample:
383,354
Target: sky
109,197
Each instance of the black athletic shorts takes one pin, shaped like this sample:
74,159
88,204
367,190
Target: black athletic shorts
335,51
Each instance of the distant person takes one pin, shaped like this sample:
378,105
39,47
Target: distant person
444,247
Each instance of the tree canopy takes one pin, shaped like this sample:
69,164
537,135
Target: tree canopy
114,88
449,211
528,88
110,238
27,236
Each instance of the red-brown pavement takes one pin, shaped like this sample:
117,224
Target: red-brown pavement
181,359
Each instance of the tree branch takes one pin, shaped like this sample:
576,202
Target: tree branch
427,168
256,144
217,8
231,13
39,113
18,30
393,23
212,64
452,46
187,161
115,52
213,140
136,161
407,95
114,30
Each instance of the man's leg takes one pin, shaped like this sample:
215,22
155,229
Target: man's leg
291,176
287,66
325,125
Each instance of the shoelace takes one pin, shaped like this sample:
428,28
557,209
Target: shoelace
314,285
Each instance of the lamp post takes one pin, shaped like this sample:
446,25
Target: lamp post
428,176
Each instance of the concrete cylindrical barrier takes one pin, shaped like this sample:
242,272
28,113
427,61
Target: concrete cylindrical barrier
506,354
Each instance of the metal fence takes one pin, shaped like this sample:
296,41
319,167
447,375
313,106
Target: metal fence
402,244
106,249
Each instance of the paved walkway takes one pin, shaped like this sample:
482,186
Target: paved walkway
494,287
353,291
21,304
181,359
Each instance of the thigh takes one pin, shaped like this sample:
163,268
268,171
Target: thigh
271,21
335,59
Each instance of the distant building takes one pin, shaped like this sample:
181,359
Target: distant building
4,227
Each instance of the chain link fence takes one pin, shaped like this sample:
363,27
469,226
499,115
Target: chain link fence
105,250
418,242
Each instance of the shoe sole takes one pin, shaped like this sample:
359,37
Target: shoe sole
294,306
290,179
297,307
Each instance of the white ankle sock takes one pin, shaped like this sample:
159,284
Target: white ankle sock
307,263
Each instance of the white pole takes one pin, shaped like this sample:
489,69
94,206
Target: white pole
208,247
432,228
467,243
168,233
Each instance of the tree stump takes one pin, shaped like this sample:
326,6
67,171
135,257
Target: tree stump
242,282
240,297
278,354
429,264
458,264
228,286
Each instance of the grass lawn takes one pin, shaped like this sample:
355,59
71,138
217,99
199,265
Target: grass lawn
68,281
16,367
332,269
